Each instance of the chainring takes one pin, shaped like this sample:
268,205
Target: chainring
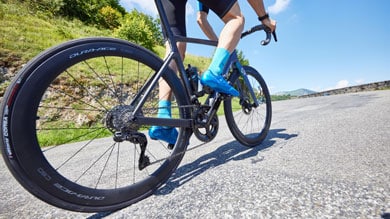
203,131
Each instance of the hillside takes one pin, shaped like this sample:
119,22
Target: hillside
298,92
24,34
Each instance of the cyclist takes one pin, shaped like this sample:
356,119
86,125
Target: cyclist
229,11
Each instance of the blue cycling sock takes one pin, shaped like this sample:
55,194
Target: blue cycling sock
220,58
164,109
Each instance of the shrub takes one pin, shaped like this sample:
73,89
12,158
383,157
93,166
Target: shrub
140,29
94,11
109,17
48,7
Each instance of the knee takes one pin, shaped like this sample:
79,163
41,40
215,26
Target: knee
241,20
235,15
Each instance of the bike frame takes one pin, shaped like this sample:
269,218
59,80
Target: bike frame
174,55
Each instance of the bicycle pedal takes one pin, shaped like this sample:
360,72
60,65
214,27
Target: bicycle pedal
207,89
226,96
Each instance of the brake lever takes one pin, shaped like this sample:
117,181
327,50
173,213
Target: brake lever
274,35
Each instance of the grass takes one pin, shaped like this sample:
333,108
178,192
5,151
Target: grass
280,97
52,137
25,33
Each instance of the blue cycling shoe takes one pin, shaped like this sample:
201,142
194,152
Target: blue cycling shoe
218,83
168,135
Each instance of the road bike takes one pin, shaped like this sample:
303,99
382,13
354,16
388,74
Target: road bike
75,119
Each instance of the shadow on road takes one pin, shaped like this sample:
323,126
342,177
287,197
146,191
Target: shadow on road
230,151
385,215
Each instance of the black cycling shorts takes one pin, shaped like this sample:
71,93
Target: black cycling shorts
202,7
220,7
176,12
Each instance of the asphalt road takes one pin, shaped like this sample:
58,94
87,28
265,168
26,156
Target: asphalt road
325,157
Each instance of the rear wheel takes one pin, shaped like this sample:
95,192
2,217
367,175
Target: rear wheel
60,117
249,124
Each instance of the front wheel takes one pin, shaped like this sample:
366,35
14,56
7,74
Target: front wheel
248,123
59,119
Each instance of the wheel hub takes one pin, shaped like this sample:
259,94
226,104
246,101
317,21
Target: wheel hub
120,118
246,106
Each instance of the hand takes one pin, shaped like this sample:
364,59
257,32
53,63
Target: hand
271,24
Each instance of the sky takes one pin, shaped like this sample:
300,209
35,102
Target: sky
322,44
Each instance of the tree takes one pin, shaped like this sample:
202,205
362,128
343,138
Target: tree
141,29
90,12
109,17
242,58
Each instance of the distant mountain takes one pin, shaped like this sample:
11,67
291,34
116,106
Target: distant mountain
298,92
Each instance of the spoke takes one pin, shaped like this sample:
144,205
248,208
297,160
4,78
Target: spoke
134,162
122,98
163,145
240,116
105,164
78,151
111,78
67,128
76,99
138,76
100,78
80,136
82,174
71,108
117,166
84,88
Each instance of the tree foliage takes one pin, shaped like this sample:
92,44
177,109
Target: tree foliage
241,58
141,29
109,17
94,11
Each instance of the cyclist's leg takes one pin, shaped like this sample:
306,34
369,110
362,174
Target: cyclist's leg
167,134
175,11
231,33
228,40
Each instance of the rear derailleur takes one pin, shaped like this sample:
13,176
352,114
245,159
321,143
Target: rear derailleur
118,121
135,138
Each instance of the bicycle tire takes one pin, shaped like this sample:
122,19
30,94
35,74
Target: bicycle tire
249,125
81,78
